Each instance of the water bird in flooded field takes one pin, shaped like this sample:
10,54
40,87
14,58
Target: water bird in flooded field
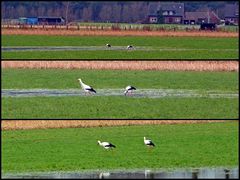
108,45
148,142
129,47
86,88
129,90
106,145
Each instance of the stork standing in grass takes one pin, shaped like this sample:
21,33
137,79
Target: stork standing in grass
106,145
129,90
148,142
86,88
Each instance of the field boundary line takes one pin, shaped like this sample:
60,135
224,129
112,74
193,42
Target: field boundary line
174,65
45,124
118,33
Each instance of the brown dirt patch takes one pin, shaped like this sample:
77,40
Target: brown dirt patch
42,124
117,33
128,65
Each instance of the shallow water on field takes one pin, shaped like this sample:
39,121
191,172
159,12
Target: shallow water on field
140,93
221,173
102,48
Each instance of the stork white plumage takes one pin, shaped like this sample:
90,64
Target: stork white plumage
129,89
148,142
106,145
129,47
108,45
104,175
86,88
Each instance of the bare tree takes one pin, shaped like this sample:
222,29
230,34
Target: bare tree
41,11
21,11
125,13
116,13
105,13
32,12
66,5
87,14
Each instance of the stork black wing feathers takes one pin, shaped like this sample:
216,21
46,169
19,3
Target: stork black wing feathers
151,144
110,145
91,89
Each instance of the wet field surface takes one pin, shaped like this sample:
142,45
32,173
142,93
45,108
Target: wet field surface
61,48
97,48
140,93
201,173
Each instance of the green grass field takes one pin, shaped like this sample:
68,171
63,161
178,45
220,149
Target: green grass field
197,54
149,47
177,146
64,79
119,106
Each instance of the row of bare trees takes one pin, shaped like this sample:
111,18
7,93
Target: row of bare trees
111,12
95,11
76,11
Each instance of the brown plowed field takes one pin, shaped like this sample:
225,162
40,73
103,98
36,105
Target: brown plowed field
41,124
128,65
116,33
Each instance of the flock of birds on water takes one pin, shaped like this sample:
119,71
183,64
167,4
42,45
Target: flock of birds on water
89,90
108,145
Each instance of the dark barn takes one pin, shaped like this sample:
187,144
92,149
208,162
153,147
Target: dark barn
51,20
208,26
42,20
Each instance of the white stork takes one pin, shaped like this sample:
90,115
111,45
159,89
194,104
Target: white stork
129,47
106,145
108,45
86,88
148,142
129,89
104,175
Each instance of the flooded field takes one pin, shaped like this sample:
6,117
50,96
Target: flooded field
98,48
221,173
150,93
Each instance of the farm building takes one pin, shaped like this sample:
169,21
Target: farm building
42,20
51,20
231,14
152,13
201,17
208,26
28,20
171,13
174,13
152,19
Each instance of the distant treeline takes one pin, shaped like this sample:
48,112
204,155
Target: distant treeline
96,11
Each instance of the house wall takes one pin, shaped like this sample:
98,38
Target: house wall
173,20
202,20
153,19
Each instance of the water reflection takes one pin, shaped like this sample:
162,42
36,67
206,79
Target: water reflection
200,173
